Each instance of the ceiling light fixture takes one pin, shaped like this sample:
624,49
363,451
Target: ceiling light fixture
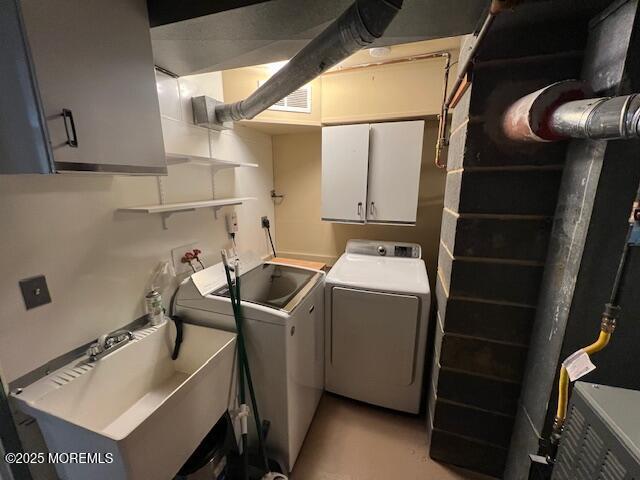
378,52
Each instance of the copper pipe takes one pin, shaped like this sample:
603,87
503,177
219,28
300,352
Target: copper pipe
391,61
463,70
444,111
444,54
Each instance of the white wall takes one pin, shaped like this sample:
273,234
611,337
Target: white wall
98,262
302,233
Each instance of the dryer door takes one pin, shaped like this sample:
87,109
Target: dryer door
373,338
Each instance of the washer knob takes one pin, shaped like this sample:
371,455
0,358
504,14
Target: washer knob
382,250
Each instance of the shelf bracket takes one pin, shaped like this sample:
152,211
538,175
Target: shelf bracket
215,211
214,170
166,215
161,190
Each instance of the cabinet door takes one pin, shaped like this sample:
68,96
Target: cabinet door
394,172
345,159
93,59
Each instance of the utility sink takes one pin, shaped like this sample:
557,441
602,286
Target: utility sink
136,405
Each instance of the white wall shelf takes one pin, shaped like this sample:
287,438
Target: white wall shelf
179,158
168,209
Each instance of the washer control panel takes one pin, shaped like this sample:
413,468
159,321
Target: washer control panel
384,249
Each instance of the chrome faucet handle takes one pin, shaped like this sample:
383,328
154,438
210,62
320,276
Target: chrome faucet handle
109,342
102,341
94,349
119,335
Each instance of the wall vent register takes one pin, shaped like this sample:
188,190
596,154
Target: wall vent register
297,101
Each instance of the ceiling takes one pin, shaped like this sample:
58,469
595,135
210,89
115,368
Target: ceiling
163,12
276,30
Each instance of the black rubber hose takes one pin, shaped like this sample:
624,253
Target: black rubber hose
179,325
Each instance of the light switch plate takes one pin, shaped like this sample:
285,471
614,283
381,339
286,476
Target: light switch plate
35,291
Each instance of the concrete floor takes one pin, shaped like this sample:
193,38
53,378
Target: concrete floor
350,440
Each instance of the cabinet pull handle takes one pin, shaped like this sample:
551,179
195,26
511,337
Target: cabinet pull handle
372,208
359,209
68,114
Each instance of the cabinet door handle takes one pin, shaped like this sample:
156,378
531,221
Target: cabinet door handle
359,209
68,115
372,208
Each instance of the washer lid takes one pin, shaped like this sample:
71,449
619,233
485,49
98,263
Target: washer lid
390,274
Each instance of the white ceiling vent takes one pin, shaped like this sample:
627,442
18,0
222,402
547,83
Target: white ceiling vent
298,101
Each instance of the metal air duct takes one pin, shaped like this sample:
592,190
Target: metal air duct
362,23
561,110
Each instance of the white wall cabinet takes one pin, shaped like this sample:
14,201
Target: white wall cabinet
345,164
93,67
371,172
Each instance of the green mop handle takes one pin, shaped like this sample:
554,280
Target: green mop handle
235,303
242,394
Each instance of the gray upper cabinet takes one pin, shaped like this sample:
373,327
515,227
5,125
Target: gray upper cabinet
371,172
92,77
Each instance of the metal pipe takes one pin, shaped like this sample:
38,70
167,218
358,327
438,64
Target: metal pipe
560,111
466,66
527,119
444,112
598,118
391,61
362,23
497,6
608,324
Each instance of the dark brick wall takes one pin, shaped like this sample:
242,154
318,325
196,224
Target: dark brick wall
499,204
599,182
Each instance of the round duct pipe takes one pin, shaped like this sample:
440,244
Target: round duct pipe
527,120
598,118
362,23
563,110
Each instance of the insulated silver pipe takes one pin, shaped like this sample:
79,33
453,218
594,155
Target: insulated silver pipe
563,110
598,118
362,23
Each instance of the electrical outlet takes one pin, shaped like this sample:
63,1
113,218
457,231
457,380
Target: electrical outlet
231,220
35,291
265,222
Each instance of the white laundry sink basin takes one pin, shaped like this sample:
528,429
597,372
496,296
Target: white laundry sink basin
147,411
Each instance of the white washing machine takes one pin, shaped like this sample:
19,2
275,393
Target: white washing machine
377,304
283,308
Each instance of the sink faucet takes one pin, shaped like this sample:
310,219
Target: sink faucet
109,343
